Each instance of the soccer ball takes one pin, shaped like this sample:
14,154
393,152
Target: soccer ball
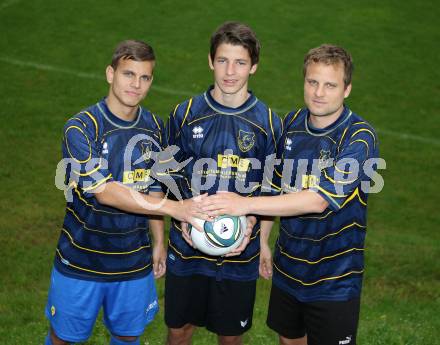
219,237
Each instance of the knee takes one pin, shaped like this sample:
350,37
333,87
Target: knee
121,340
297,341
180,336
52,339
230,340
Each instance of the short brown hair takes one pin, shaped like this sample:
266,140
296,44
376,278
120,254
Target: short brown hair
330,55
236,33
132,50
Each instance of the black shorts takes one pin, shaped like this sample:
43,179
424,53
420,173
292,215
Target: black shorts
224,307
324,322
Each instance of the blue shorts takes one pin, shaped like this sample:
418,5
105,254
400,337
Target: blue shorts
73,306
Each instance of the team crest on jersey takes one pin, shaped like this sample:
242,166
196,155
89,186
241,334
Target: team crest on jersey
146,148
246,140
197,132
325,160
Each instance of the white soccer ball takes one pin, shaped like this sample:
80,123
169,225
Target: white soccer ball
219,237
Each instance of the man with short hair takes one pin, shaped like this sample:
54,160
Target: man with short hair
329,159
104,256
227,133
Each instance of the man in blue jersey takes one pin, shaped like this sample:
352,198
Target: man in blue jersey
226,133
329,156
104,256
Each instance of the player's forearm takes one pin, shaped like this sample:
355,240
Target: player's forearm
292,204
266,224
126,199
157,224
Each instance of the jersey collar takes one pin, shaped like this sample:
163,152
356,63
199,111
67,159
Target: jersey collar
113,119
221,109
346,113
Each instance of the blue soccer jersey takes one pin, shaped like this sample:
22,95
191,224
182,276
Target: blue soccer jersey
321,256
99,242
225,149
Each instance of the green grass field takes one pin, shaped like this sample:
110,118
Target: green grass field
52,60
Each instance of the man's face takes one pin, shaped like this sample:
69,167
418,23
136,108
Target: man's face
324,89
232,67
130,82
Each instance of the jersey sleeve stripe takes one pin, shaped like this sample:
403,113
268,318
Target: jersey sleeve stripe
187,112
94,122
88,143
88,173
271,128
155,120
294,117
365,130
98,183
92,207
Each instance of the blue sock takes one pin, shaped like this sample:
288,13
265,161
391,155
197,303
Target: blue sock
48,341
116,341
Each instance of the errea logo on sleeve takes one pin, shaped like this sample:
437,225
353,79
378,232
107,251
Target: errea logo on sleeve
197,132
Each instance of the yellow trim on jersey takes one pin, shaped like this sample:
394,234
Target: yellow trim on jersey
81,121
250,239
100,251
100,231
294,117
334,181
273,185
202,118
175,109
271,128
342,171
282,126
328,235
95,123
155,120
352,196
342,136
187,111
97,184
104,273
365,130
189,257
225,114
89,172
239,261
92,207
361,141
319,280
359,123
328,193
253,123
88,143
138,128
321,259
322,217
325,136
